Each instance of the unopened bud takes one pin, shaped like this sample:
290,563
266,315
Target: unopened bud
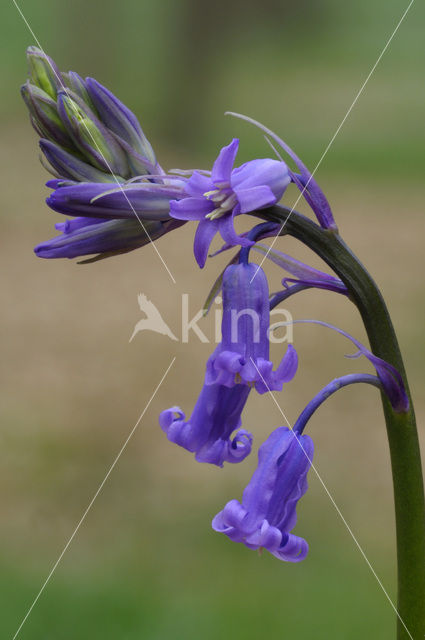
68,166
90,136
43,71
124,124
44,115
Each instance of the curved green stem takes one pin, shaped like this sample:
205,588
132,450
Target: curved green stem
401,427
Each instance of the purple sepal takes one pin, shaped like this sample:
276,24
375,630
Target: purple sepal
215,201
243,355
208,432
267,513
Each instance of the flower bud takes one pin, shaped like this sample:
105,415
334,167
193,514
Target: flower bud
124,124
43,72
88,236
44,115
68,166
75,82
90,136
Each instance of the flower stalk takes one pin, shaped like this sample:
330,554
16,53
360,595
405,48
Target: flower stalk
401,426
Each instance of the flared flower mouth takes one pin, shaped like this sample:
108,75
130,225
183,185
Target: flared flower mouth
267,514
213,431
214,200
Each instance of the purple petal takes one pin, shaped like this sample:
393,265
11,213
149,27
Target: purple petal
208,432
204,234
272,173
254,198
198,184
294,549
228,233
190,208
267,513
222,168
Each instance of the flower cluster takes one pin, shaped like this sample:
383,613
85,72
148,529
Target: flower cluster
107,179
94,146
107,175
238,365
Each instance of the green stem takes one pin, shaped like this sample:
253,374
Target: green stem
401,427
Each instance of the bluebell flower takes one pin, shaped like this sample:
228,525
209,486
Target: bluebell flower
243,355
208,432
215,200
267,513
238,364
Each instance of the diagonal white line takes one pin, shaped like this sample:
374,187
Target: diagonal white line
65,89
111,468
319,477
332,140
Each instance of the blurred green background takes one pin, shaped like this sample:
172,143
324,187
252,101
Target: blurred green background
145,563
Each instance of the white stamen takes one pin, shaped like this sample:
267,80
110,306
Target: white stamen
229,202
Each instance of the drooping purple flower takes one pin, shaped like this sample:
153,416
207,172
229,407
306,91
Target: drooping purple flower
215,200
267,513
243,355
208,432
